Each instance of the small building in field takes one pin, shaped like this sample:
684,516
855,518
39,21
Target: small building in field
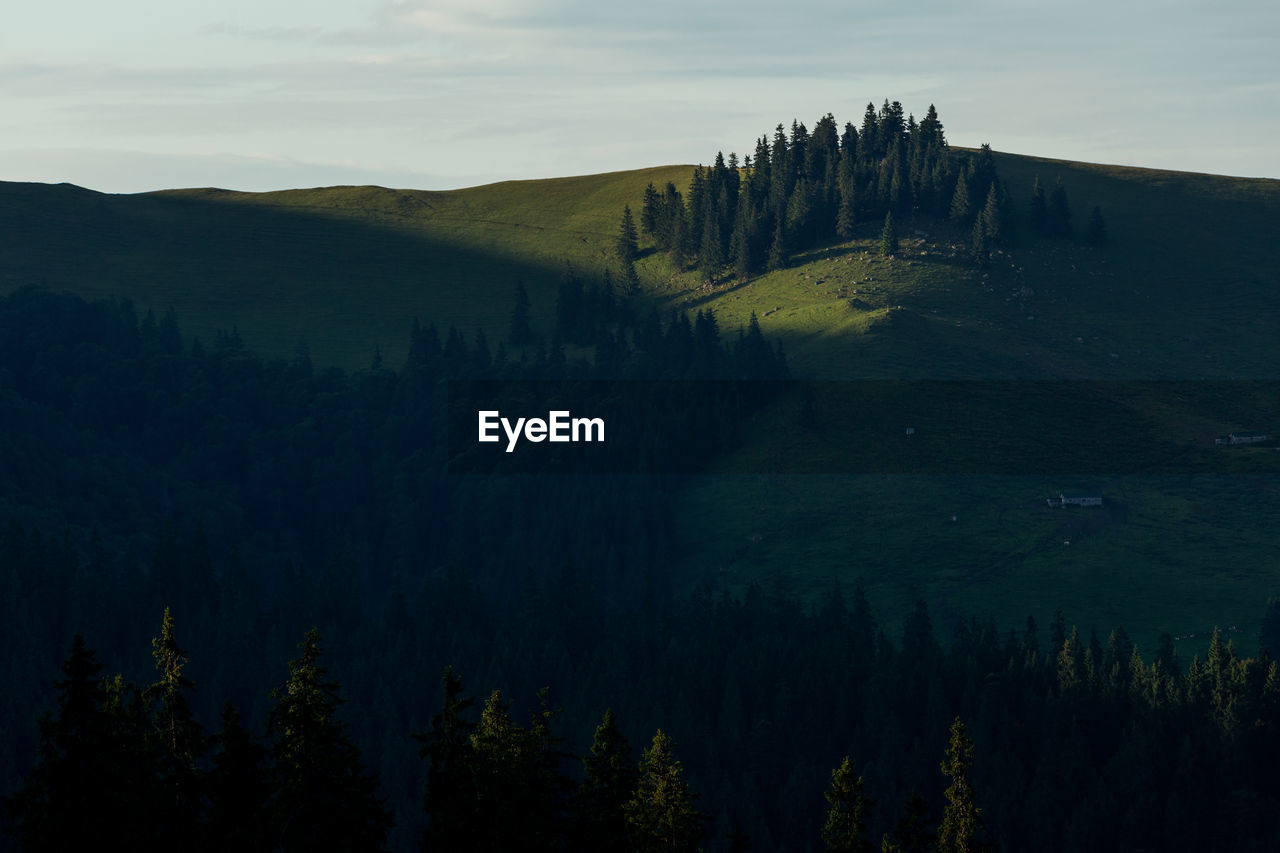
1064,499
1251,437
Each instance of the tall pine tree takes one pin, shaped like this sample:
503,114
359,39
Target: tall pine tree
961,828
238,789
609,778
450,799
323,796
1039,208
961,207
1097,234
889,236
662,815
1058,216
179,740
627,245
845,830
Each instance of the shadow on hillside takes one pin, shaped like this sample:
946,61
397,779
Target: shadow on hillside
695,299
346,285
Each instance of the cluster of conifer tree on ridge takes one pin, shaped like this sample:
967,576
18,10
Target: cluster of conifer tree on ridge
807,188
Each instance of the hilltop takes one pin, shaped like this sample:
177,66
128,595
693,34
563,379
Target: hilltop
1184,289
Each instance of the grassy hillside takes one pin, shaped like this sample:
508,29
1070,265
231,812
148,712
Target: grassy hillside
1186,289
346,268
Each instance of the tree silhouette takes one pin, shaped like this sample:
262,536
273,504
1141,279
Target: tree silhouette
845,828
323,796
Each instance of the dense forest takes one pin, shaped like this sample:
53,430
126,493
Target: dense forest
1091,746
808,188
256,500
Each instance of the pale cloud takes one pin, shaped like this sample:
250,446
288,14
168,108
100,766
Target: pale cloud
515,88
287,34
458,16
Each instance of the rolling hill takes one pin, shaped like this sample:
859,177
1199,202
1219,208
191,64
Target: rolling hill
1186,289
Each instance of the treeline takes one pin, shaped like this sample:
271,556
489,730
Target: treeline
806,188
249,492
1069,744
629,342
125,766
117,422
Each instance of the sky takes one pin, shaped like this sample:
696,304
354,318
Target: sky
137,95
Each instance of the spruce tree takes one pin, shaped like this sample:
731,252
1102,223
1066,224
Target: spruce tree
609,778
1097,227
662,814
237,789
799,212
628,242
1071,663
323,796
1058,218
92,786
888,236
179,740
845,828
778,254
546,790
979,244
930,130
912,833
649,213
846,214
742,243
450,800
710,256
61,798
992,218
669,211
497,753
961,828
869,134
961,208
630,282
680,240
1039,208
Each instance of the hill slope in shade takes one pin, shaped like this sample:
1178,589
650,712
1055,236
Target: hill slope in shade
345,268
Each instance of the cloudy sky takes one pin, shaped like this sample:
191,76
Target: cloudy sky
133,95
